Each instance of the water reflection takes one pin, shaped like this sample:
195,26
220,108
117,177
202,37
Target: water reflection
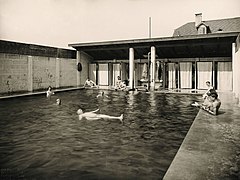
46,141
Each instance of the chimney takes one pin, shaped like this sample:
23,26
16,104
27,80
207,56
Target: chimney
198,19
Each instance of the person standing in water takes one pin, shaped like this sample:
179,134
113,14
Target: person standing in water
102,94
58,101
49,92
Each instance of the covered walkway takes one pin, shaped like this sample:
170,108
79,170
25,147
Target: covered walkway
183,62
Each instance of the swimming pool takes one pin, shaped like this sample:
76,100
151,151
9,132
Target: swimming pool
39,139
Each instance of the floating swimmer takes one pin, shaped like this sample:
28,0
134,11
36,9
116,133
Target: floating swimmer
93,116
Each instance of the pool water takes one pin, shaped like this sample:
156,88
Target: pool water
40,140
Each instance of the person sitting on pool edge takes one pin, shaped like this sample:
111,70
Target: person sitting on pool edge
49,92
211,104
206,94
215,103
120,85
90,83
207,99
93,116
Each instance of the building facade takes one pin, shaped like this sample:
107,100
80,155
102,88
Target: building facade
197,52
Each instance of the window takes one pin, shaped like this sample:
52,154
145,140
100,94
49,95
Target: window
202,29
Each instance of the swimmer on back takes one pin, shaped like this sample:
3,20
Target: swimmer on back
93,116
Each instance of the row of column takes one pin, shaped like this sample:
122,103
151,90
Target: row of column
152,67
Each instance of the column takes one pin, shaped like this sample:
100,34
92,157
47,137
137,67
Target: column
30,73
78,73
153,67
157,71
196,82
131,68
164,74
57,72
233,68
178,68
110,74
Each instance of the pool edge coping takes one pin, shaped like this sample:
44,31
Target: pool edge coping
39,93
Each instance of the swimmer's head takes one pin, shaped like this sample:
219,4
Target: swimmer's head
58,101
79,111
208,83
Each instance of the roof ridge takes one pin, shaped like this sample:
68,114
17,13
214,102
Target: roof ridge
227,24
212,20
224,19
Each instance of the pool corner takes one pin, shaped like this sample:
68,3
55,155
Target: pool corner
211,148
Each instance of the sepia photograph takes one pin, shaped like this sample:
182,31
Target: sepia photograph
119,89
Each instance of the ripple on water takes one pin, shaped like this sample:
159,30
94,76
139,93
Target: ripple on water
48,141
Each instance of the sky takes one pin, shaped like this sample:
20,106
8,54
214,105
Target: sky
58,23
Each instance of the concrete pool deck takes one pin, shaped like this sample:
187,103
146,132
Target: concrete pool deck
211,149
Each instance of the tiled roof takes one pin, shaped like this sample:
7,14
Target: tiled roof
226,25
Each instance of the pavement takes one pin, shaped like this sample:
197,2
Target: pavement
211,148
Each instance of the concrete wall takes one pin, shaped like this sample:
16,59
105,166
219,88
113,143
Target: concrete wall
10,47
68,71
44,73
13,73
29,73
236,67
85,61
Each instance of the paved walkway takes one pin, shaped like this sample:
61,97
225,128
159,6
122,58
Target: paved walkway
211,149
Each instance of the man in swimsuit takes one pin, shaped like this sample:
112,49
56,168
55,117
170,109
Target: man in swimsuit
120,85
58,101
93,116
215,104
207,93
90,83
49,92
102,94
211,104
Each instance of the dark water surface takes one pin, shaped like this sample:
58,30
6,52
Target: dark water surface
40,140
